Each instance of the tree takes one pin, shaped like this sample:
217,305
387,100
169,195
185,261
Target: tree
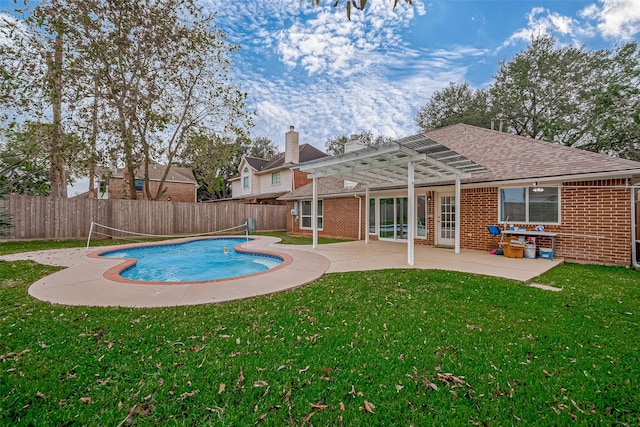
214,160
456,103
357,5
33,77
542,92
164,70
615,117
336,146
260,147
24,160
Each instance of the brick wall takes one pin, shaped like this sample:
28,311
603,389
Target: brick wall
591,209
174,191
340,219
595,217
300,179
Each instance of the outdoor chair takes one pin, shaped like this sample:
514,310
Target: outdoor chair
495,232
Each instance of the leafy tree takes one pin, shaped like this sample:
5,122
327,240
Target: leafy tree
24,160
336,146
615,117
456,103
260,147
563,94
214,160
34,78
164,69
541,92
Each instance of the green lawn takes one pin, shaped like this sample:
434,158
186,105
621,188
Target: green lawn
394,347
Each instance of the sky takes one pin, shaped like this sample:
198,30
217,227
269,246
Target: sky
310,67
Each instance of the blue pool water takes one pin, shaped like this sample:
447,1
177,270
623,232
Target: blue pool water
192,261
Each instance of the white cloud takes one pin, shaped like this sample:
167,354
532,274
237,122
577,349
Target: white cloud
615,18
545,21
374,100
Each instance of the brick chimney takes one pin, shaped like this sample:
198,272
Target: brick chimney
291,147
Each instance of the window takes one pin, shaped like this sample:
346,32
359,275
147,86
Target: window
275,178
372,216
245,170
245,182
530,204
139,184
305,214
421,219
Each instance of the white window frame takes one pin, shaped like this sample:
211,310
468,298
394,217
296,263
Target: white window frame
275,178
303,215
527,220
245,182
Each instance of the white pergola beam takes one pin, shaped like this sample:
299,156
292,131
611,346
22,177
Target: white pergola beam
411,226
314,213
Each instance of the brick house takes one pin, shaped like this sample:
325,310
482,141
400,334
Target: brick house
585,201
179,186
264,180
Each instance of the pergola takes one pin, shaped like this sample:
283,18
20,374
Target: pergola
410,161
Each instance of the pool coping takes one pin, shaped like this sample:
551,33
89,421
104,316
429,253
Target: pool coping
114,273
84,283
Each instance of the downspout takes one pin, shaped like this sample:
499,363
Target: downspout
359,215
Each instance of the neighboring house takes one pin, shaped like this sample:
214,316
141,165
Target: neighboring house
587,199
179,186
263,181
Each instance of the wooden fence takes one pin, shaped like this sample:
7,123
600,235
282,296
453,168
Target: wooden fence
34,217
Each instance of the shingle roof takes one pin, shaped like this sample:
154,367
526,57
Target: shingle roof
326,186
511,157
307,153
505,156
256,163
156,171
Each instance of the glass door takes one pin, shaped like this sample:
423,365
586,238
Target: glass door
446,223
394,214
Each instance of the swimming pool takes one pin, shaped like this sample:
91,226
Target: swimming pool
192,261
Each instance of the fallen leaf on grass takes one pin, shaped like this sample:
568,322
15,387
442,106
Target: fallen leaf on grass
221,388
341,406
240,377
304,370
260,384
318,406
188,394
41,395
287,396
307,418
399,387
85,399
368,407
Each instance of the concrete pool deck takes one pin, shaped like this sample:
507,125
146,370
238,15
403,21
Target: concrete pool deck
83,282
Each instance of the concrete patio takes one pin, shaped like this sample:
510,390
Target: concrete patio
83,282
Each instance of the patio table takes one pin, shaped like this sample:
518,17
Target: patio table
550,235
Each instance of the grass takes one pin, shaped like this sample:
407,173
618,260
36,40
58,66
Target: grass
393,347
288,239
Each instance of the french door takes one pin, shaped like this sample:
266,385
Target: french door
446,219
